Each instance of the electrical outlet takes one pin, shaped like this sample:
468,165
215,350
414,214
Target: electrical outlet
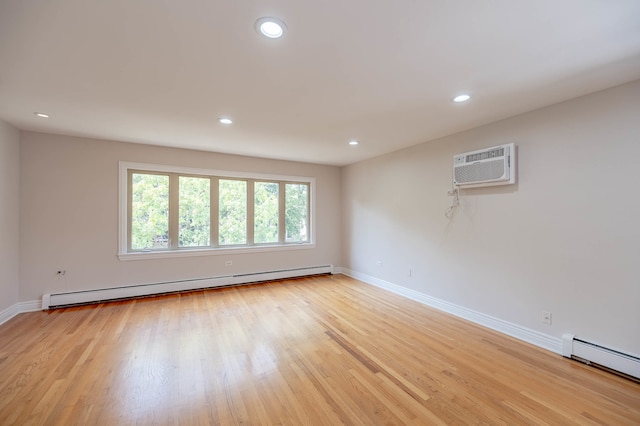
61,272
228,263
379,262
546,317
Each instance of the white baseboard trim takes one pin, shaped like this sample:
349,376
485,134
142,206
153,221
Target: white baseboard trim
536,338
19,308
9,313
50,300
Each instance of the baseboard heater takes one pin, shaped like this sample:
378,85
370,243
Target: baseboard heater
600,356
56,300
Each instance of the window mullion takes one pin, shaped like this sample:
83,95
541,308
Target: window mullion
250,211
174,210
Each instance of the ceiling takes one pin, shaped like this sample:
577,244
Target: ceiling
383,72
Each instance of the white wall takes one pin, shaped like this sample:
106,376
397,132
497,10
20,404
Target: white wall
565,239
9,217
69,205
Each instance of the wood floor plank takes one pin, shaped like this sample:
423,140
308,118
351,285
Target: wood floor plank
323,350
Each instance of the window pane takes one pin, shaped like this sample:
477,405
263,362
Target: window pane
194,212
265,212
233,212
149,211
296,211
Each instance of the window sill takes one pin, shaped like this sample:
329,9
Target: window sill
212,251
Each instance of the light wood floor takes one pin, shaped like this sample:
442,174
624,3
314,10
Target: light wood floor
313,351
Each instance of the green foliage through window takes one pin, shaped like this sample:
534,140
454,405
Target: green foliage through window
171,211
195,208
266,212
297,212
233,212
149,211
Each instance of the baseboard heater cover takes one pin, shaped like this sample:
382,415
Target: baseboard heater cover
592,353
54,300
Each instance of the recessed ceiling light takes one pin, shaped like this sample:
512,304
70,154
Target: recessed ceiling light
225,120
41,114
461,98
353,143
270,27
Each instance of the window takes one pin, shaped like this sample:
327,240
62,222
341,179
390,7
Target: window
170,211
194,206
233,212
266,212
297,214
149,211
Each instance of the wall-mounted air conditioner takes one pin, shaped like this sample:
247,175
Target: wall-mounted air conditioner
485,167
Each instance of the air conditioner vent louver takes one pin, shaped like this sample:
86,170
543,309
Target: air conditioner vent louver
484,171
486,167
492,153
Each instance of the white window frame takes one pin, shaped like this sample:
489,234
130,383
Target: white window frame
125,255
